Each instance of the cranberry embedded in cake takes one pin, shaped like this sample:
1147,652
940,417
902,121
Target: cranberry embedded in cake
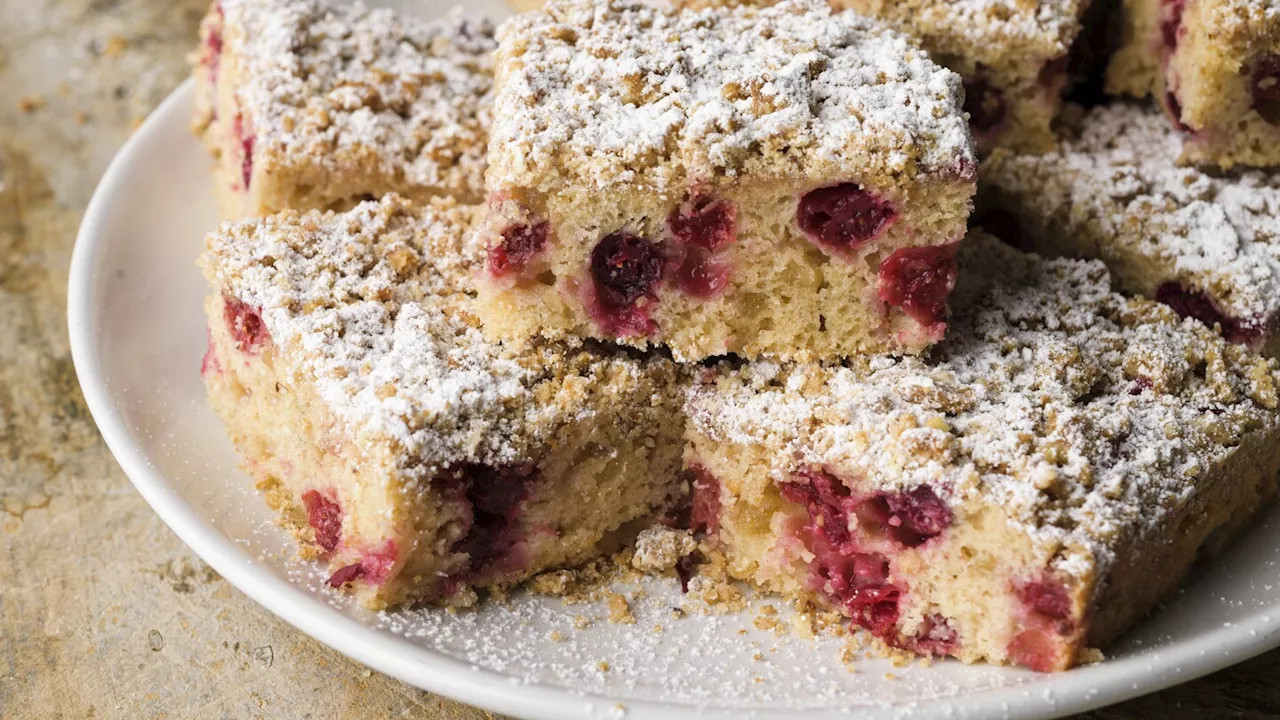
244,140
245,325
843,217
495,497
518,245
625,270
325,517
1195,304
706,223
918,280
705,513
1266,87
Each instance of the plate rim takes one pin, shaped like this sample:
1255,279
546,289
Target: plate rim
1074,691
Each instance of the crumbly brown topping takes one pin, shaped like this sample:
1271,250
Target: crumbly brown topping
344,85
992,32
1118,181
1085,415
597,94
371,305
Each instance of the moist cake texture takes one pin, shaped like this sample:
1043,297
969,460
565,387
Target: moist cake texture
1215,67
781,181
309,104
415,458
1038,484
1207,244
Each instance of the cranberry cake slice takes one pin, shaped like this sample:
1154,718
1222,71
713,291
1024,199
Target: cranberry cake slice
1031,490
1215,66
309,104
415,458
780,181
1206,244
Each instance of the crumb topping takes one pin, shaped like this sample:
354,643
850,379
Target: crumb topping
1120,179
372,306
993,32
599,94
660,548
1085,415
344,85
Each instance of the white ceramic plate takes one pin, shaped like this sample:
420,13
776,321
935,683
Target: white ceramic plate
137,336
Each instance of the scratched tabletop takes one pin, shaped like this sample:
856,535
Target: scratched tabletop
104,613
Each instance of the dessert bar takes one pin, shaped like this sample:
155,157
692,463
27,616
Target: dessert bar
1215,66
782,181
1206,244
1037,485
306,104
413,457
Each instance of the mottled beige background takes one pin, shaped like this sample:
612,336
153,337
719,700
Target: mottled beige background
103,612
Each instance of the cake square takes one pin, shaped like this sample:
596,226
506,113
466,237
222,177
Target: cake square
1207,244
782,181
1031,490
1215,67
309,104
413,457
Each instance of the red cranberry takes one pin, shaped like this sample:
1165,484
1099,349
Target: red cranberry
376,565
344,575
246,149
1140,386
936,637
213,49
625,268
325,518
1048,598
698,275
684,571
1034,649
1173,108
1171,22
842,217
1195,304
916,515
496,496
520,243
985,104
705,513
1266,87
245,325
918,280
705,223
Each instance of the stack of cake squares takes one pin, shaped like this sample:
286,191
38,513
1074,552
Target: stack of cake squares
490,300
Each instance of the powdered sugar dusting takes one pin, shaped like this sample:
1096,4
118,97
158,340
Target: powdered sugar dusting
621,92
1087,416
365,90
372,304
1121,194
994,32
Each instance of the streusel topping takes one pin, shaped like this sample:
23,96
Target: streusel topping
598,94
1085,415
373,304
328,82
1120,178
991,31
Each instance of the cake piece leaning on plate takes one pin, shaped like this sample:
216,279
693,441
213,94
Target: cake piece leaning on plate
1033,489
782,182
1215,66
415,458
310,104
1206,244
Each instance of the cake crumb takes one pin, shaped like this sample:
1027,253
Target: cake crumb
602,666
30,103
115,46
658,549
657,628
556,636
1090,656
581,622
758,657
620,610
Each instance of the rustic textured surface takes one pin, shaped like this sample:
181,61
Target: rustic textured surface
103,612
